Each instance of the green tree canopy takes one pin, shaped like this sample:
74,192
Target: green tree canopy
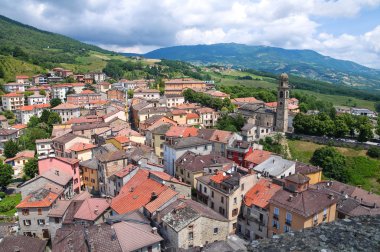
31,168
6,174
33,121
54,118
332,162
55,102
10,148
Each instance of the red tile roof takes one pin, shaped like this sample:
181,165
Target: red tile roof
125,171
19,126
68,160
12,95
81,147
163,198
22,77
92,208
87,92
258,156
85,119
177,131
205,110
66,106
192,116
178,112
32,201
122,139
246,99
136,193
22,154
260,194
32,107
219,177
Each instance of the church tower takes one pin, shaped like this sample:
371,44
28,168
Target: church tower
282,104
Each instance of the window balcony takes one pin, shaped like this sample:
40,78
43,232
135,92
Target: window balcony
275,216
288,222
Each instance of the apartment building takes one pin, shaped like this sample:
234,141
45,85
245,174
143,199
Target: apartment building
12,101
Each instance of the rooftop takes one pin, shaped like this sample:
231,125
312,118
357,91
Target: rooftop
260,194
66,106
81,147
274,166
188,142
181,131
196,163
215,135
258,156
22,243
39,198
92,208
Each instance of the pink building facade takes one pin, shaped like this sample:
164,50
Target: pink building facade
67,165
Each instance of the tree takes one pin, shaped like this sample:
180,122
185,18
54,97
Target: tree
31,168
45,116
341,128
365,128
42,92
6,174
130,93
377,106
374,152
10,149
55,102
54,118
89,87
33,121
9,114
332,162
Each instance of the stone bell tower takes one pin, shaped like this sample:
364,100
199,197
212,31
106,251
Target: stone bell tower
282,104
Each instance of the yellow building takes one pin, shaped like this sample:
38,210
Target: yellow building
314,173
120,142
81,151
158,138
297,206
89,175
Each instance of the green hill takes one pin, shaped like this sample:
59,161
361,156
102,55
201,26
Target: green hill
302,63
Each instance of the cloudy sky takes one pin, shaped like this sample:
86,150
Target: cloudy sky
344,29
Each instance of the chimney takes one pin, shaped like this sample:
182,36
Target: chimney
331,196
131,189
154,230
153,196
57,172
290,198
96,210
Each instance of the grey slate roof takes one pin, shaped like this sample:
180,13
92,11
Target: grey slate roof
22,244
187,142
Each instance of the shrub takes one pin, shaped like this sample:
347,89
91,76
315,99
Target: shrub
374,152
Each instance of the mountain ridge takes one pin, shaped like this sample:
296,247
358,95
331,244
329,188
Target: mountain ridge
302,62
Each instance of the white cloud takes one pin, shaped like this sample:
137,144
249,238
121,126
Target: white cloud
140,25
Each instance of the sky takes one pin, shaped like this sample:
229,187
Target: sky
343,29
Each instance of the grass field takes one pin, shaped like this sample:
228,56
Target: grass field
363,170
10,201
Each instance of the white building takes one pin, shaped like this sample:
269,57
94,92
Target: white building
276,167
14,87
177,147
37,99
173,100
147,94
24,113
12,101
363,112
67,111
60,90
44,148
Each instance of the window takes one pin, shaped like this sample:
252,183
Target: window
27,222
41,222
221,210
56,220
212,205
276,224
287,229
200,187
325,214
191,235
150,249
242,186
216,230
234,212
235,200
212,194
25,211
234,225
288,219
222,199
205,189
39,211
276,212
315,219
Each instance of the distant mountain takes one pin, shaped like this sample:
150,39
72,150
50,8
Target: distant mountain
305,63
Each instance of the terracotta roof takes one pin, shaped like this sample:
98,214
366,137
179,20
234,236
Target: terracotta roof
87,92
3,118
85,119
217,93
187,106
12,95
219,177
134,236
246,100
22,77
163,198
183,80
128,132
181,131
258,156
112,156
68,160
22,154
125,171
19,126
306,168
215,135
40,198
260,194
205,110
192,116
92,208
57,176
65,138
122,139
274,105
81,147
7,132
66,106
32,107
136,193
178,112
88,126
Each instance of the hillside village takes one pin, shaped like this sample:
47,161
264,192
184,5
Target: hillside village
133,166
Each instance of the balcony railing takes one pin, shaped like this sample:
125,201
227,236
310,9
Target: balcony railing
275,216
288,222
